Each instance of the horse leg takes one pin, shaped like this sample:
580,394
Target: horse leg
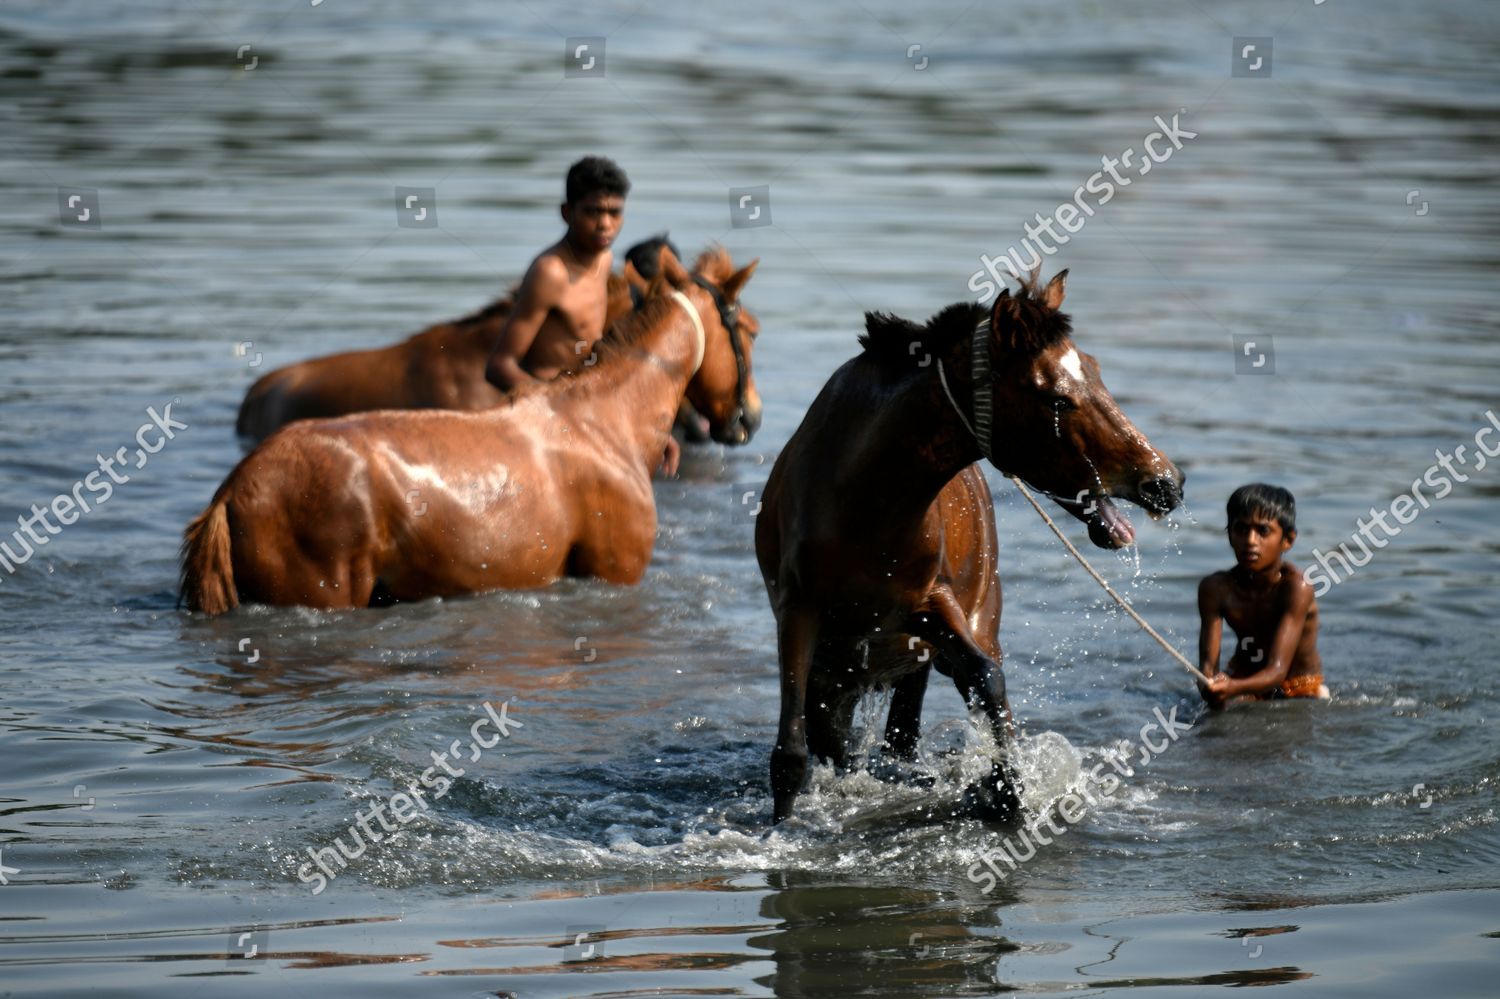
797,638
830,715
903,726
980,681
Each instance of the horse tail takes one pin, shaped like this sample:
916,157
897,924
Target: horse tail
207,582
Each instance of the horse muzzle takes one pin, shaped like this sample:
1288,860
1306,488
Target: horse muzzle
738,429
1161,495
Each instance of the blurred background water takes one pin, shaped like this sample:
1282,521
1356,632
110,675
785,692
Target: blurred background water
166,775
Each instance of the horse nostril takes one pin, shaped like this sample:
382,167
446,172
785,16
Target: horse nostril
1161,494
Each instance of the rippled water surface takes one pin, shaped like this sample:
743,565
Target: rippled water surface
166,775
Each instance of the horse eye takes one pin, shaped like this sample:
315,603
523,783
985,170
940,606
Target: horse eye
1063,404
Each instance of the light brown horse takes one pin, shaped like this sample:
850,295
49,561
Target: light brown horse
440,368
876,538
556,480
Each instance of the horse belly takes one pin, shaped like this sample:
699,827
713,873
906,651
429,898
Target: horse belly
514,538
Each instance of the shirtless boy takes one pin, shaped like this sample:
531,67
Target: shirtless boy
1267,602
560,307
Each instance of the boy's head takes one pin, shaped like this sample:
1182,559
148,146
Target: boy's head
595,190
1262,524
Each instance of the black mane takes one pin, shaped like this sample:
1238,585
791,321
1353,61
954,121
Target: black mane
1026,325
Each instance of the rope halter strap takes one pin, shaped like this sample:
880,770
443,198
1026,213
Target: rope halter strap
982,404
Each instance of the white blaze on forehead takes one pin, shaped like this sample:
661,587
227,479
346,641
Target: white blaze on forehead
1072,364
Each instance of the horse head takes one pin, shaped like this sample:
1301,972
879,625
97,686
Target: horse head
1062,430
723,388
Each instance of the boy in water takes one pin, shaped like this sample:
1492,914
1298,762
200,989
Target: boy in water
560,308
1267,602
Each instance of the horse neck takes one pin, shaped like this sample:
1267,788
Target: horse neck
463,341
914,444
639,386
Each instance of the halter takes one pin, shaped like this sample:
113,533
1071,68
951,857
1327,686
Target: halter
983,397
729,315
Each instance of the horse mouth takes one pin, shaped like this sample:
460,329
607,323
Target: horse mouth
1108,526
735,434
738,430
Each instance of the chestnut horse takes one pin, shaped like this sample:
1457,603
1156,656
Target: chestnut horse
440,368
556,480
877,539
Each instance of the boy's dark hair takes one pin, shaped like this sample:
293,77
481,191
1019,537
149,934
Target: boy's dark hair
595,175
646,255
1258,497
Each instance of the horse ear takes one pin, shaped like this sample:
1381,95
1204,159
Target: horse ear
633,277
672,269
1052,297
736,282
1004,305
657,285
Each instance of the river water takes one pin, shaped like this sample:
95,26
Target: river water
166,776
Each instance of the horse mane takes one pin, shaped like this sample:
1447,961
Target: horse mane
713,264
1027,326
630,330
499,305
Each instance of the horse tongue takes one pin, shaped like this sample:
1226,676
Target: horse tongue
1110,528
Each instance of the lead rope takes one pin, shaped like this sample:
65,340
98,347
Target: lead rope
982,416
1124,605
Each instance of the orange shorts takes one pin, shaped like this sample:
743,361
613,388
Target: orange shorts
1302,686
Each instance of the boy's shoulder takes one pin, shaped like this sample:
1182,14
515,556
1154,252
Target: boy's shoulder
1294,582
1214,580
549,265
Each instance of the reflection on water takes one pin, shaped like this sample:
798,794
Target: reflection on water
165,773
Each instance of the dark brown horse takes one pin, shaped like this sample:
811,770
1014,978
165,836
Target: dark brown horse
554,481
876,539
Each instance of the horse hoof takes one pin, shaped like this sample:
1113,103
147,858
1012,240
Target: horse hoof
895,769
989,802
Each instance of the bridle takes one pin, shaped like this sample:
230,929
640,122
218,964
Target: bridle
982,405
729,315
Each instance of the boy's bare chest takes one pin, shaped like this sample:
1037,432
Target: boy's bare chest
579,316
1253,613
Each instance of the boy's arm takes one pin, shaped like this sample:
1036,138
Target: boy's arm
1210,626
539,294
1299,601
1210,631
